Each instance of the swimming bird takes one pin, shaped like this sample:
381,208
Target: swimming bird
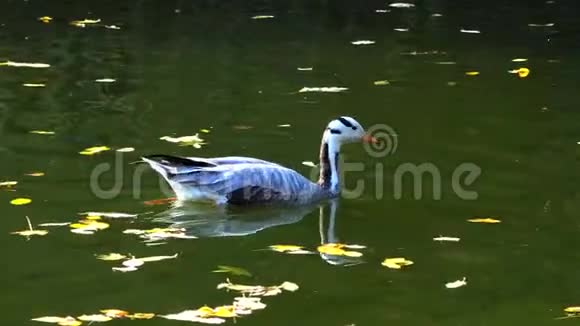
239,180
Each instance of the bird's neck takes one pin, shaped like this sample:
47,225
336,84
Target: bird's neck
329,177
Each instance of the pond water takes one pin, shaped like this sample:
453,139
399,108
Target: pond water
180,66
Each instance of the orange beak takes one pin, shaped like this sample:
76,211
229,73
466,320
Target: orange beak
369,139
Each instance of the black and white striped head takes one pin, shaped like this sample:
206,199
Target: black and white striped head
344,130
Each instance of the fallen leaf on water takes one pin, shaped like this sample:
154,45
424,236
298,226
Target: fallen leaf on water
451,239
84,22
156,258
286,125
24,64
55,224
401,29
126,149
470,31
519,60
305,68
88,226
45,19
472,73
232,270
133,262
34,85
111,257
8,183
572,309
330,89
205,131
125,269
521,72
110,214
338,249
396,263
309,164
381,82
30,230
193,316
105,80
193,140
115,313
41,132
258,290
95,318
456,284
20,201
248,303
35,174
541,25
94,150
112,27
141,315
61,321
289,249
363,42
484,220
401,5
263,17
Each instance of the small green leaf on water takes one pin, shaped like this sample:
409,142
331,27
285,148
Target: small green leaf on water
232,270
381,82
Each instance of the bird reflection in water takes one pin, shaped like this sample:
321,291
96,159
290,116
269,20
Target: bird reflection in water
205,221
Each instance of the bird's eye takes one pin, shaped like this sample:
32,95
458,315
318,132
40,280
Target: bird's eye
353,128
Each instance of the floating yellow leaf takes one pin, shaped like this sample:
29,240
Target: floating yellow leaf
35,174
309,164
452,239
105,80
331,89
521,72
34,85
572,309
456,284
289,249
193,140
126,149
338,249
258,290
263,17
156,258
396,263
61,321
484,220
45,19
224,312
232,270
205,131
84,22
24,64
109,214
8,183
472,73
193,316
94,150
20,201
41,132
381,82
133,262
111,257
30,231
49,319
114,313
141,315
95,318
125,269
519,60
